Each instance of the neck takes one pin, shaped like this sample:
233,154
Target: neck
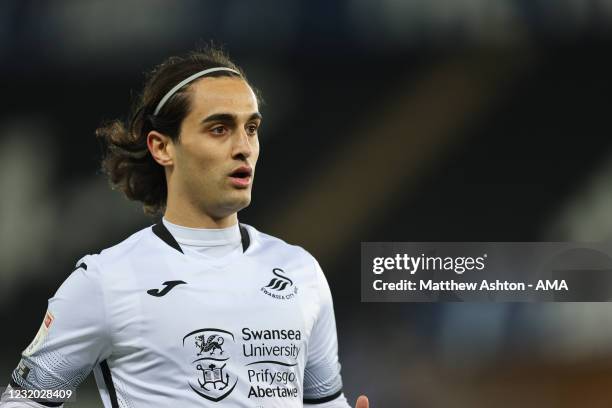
187,216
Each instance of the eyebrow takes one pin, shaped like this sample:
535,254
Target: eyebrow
228,117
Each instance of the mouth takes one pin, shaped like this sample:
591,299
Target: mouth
241,177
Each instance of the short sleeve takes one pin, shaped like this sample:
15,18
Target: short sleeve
322,379
72,338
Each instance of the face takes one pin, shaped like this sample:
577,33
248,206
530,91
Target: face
213,161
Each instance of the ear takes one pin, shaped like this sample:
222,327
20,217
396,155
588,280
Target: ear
161,148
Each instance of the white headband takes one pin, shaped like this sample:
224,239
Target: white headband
185,82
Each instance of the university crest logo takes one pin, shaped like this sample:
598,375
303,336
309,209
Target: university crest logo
211,351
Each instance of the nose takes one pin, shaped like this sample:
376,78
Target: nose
242,147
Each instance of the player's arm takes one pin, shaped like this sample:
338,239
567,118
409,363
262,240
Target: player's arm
72,339
322,379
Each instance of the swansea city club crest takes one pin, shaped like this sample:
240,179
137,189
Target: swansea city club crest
280,286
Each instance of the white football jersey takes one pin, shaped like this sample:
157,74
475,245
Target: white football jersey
163,327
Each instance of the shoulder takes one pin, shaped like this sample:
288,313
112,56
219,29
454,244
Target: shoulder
272,250
294,259
263,244
125,250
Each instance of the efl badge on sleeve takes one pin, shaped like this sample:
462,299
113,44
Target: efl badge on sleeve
40,336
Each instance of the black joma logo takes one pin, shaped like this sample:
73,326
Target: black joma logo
169,285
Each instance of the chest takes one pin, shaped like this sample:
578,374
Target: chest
195,310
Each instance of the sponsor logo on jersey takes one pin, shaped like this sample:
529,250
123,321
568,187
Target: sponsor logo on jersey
169,285
273,355
265,358
256,344
280,286
210,350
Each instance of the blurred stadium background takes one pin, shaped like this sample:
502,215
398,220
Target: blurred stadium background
389,120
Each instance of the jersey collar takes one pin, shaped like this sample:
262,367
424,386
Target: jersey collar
162,232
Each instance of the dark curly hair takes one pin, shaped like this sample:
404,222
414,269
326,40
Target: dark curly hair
127,161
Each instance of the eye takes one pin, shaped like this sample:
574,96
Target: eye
218,130
252,129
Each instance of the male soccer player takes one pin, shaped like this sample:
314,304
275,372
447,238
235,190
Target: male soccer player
199,309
